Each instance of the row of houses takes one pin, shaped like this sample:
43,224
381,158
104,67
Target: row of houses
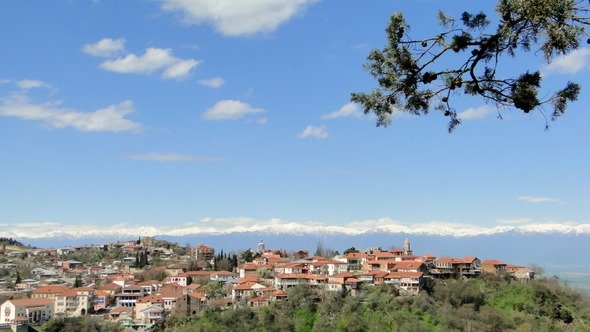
257,283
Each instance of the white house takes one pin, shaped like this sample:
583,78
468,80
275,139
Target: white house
31,311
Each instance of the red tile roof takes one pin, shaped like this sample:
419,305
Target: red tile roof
31,302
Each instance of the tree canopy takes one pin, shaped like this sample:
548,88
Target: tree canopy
412,75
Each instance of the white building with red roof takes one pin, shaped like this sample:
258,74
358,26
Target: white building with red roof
26,311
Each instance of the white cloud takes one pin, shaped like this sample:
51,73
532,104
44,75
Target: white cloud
535,199
476,113
31,84
230,110
238,17
313,131
152,60
105,47
111,118
571,63
348,110
214,82
162,157
180,68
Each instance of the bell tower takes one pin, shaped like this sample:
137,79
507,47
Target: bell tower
407,247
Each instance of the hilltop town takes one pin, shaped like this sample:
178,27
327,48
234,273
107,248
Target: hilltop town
140,282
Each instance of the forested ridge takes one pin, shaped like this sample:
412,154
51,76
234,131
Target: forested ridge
488,303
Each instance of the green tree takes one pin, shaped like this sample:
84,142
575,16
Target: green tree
78,282
214,289
247,256
412,76
350,250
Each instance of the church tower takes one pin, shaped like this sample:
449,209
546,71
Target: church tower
407,247
261,247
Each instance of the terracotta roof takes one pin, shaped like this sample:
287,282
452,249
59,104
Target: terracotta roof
408,265
343,275
68,293
110,286
246,286
150,299
193,286
449,260
259,299
248,278
172,288
31,302
198,274
120,309
50,290
492,262
384,254
172,295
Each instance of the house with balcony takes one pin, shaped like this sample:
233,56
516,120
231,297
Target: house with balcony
409,266
330,267
406,282
224,277
378,265
246,290
521,273
182,279
451,267
74,302
203,253
284,281
129,296
150,314
292,268
355,260
26,311
494,266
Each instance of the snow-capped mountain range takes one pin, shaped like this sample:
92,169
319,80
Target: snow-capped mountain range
215,227
560,248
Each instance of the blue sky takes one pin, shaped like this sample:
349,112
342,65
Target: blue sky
215,115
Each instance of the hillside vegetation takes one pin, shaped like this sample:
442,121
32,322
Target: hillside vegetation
483,304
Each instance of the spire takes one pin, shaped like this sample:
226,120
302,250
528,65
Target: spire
407,247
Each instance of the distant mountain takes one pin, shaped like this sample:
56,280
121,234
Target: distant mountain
208,228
